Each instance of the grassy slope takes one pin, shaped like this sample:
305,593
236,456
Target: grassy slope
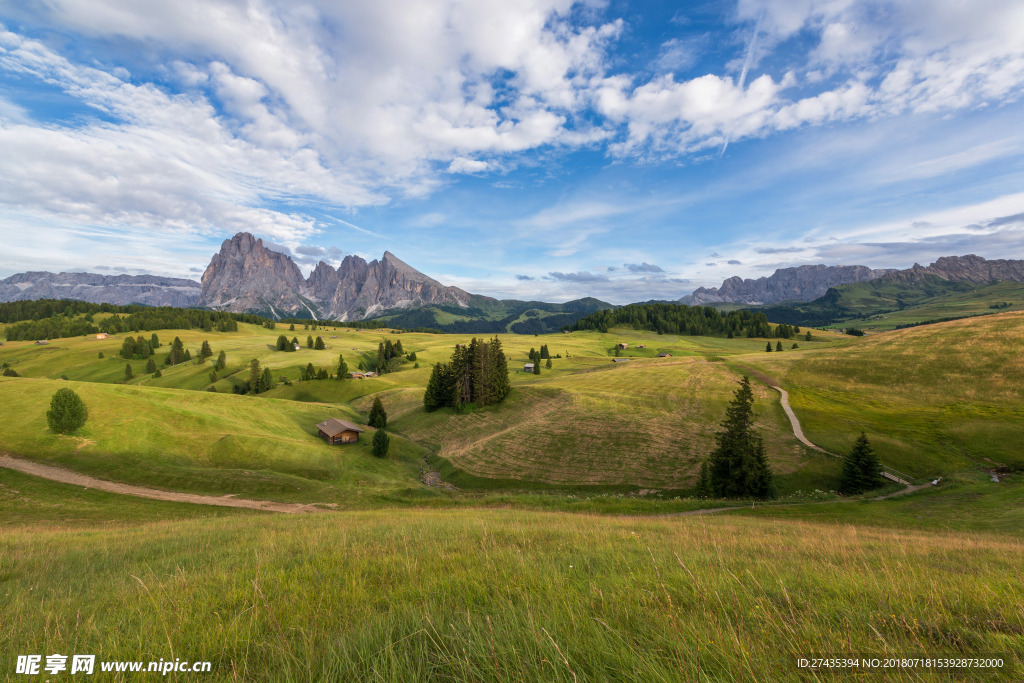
203,442
587,422
509,596
933,399
974,302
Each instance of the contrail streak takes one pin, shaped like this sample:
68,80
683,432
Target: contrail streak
743,72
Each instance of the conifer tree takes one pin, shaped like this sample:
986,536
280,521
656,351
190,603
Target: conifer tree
158,373
291,328
739,467
548,364
319,345
342,367
213,376
768,347
255,374
128,374
222,361
154,341
378,416
150,366
703,489
266,381
778,346
205,351
309,342
67,411
381,443
283,345
861,469
536,367
807,337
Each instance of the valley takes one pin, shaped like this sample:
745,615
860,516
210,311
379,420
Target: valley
567,495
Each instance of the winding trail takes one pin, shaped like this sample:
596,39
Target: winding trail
68,477
798,432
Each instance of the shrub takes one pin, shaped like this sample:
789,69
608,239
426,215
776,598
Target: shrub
67,412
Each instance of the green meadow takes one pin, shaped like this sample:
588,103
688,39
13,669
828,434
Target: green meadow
557,545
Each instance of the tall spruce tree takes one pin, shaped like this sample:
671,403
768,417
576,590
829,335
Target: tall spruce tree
703,489
739,467
378,418
861,469
319,345
381,443
255,374
342,367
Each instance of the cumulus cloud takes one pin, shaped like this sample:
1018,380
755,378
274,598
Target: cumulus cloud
734,262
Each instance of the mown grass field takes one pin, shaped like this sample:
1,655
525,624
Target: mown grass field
511,596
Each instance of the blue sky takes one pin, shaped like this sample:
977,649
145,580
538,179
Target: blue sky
542,149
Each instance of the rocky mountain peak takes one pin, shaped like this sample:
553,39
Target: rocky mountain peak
247,276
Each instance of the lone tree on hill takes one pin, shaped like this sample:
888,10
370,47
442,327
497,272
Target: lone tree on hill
342,367
381,443
778,346
861,469
319,345
128,374
255,375
768,347
378,416
739,467
67,412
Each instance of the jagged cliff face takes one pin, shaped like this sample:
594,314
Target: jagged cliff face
976,269
803,283
122,290
246,276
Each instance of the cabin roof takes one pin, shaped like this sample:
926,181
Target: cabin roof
334,426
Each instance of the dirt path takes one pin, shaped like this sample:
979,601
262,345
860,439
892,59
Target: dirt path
68,477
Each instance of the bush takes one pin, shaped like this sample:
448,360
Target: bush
67,412
381,443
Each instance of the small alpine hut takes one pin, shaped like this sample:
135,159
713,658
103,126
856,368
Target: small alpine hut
528,367
335,431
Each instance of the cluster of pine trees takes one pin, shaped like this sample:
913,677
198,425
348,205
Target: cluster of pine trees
677,319
139,348
738,467
477,374
284,345
389,356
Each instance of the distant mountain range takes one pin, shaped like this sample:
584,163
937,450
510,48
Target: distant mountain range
807,283
150,290
245,276
803,283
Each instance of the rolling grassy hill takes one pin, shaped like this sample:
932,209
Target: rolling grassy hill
587,424
411,582
933,399
885,303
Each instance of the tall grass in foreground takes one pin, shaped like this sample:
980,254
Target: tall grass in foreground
510,596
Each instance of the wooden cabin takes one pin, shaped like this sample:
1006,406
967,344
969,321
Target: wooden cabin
335,431
528,367
623,345
664,355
